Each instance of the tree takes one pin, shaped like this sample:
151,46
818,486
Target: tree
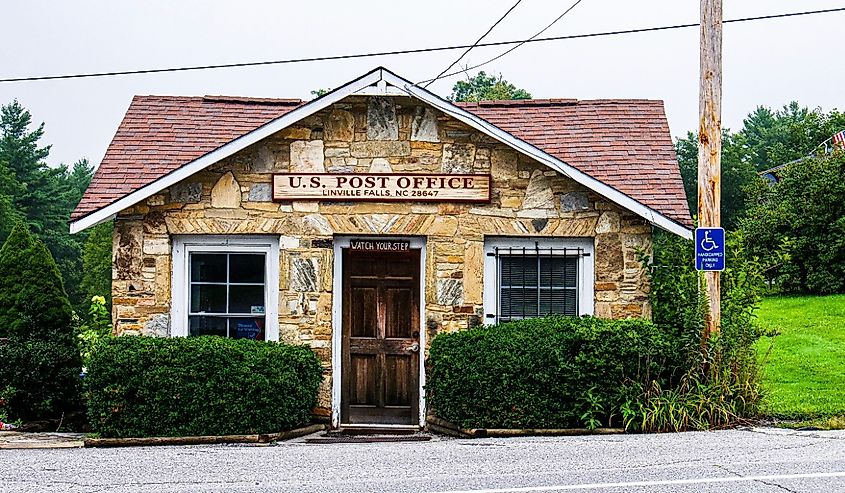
737,175
483,87
25,160
798,226
42,196
321,92
67,249
33,303
770,138
8,214
40,362
96,263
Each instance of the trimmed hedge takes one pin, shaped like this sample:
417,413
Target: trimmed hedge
554,372
38,379
146,386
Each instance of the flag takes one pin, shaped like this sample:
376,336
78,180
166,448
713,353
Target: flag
839,140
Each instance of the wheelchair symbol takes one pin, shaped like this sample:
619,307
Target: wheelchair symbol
707,244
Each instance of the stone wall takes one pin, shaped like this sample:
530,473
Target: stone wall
372,135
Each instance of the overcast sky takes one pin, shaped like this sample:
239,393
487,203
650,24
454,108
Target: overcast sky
767,62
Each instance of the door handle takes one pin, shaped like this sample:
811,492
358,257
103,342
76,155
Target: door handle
413,348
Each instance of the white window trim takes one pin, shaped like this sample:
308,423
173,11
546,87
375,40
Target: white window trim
586,269
184,245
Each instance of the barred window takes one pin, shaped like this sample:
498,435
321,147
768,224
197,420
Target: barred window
525,279
535,286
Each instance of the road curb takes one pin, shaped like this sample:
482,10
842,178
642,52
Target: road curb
38,440
437,425
263,438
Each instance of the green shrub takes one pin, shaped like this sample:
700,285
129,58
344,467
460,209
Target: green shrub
553,372
38,379
39,362
144,386
33,303
564,372
92,332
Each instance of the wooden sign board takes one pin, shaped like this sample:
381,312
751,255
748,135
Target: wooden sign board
379,245
382,187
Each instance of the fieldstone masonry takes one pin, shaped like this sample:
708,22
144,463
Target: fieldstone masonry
363,135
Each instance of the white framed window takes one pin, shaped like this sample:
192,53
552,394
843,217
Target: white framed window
535,277
226,286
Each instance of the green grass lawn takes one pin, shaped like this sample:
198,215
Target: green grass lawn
804,374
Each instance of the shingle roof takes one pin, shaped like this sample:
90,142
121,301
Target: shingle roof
624,143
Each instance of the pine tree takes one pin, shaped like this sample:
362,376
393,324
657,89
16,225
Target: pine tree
19,150
33,303
9,215
41,195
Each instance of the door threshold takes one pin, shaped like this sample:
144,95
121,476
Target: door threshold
376,429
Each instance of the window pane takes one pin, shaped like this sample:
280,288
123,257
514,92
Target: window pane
518,303
247,328
518,270
246,299
208,267
245,267
558,302
558,271
207,326
209,298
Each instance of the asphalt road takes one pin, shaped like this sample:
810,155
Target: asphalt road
759,461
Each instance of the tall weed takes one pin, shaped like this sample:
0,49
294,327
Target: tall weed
710,382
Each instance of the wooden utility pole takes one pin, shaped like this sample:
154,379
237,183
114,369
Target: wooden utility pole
710,144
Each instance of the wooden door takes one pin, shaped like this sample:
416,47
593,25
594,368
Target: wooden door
381,347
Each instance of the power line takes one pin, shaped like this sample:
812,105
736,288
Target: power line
430,81
500,55
407,52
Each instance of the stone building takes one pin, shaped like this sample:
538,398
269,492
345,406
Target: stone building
366,221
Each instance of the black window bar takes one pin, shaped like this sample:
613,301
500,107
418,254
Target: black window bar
535,282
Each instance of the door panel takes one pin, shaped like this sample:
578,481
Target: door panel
380,350
397,385
364,316
397,321
364,375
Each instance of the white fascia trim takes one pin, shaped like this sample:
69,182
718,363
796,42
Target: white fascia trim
227,150
523,147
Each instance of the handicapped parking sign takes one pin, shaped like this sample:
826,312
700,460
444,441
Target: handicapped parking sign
710,249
